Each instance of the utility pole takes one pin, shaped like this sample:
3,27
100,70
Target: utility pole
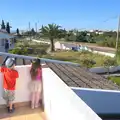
36,27
117,38
29,31
29,26
36,30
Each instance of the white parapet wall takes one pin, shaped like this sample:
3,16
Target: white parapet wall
104,70
40,41
61,103
105,53
101,101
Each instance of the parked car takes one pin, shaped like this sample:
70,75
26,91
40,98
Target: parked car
81,48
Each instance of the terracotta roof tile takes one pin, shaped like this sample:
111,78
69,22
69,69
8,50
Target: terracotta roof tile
75,76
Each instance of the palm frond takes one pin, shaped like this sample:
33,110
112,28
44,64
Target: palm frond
51,30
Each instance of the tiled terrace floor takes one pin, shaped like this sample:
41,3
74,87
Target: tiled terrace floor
23,113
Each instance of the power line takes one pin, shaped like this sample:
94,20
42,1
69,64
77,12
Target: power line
111,18
106,20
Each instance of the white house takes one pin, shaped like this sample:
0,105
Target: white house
5,36
64,46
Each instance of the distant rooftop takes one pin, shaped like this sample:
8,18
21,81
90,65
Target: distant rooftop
5,35
75,76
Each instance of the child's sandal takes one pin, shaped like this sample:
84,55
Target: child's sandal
32,107
11,111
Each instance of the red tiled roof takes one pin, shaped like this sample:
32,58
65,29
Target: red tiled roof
75,76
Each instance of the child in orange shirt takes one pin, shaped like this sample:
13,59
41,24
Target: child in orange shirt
9,82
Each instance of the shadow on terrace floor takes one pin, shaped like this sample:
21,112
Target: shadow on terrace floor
23,113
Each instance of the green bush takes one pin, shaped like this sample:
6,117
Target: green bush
107,42
31,48
82,58
109,62
115,79
40,51
86,52
19,51
88,63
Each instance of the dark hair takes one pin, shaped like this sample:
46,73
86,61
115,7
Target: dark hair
36,64
6,40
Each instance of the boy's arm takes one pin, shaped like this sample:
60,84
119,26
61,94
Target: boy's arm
2,69
17,75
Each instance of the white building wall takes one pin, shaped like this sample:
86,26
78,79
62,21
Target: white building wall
57,45
104,70
61,103
22,86
101,101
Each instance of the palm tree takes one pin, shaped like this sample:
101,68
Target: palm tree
51,31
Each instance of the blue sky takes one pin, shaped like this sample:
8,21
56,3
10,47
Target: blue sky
81,14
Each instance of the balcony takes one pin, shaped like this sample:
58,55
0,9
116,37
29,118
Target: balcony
69,93
22,113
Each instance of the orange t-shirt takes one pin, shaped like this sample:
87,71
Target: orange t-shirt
10,76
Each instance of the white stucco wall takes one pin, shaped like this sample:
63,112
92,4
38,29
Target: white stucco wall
39,41
22,88
58,45
103,69
61,103
101,101
60,100
105,53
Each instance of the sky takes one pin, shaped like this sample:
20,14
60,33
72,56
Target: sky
70,14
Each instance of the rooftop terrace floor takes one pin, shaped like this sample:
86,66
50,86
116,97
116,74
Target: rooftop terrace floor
23,113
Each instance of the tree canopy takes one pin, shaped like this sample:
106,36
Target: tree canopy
3,25
17,31
51,31
8,27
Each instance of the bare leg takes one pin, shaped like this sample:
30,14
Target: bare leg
37,99
32,100
7,103
11,105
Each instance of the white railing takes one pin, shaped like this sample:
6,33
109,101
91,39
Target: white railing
61,103
31,58
101,101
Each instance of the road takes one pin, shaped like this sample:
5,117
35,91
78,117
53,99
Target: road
91,46
102,49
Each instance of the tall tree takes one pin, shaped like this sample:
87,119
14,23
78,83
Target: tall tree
81,36
32,31
8,27
70,36
3,25
17,31
51,31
